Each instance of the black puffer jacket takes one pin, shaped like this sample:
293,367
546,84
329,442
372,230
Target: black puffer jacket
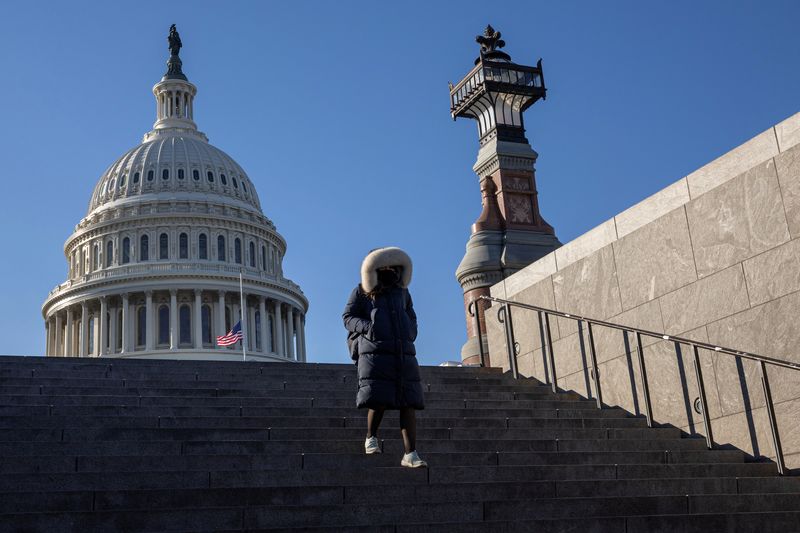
388,372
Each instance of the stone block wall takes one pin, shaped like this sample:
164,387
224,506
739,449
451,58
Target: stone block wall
713,257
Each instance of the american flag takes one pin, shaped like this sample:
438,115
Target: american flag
232,337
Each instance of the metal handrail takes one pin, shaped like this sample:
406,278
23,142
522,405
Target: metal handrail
504,316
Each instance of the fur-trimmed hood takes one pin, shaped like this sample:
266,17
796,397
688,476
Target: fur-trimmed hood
384,257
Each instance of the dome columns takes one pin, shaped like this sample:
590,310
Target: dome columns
132,324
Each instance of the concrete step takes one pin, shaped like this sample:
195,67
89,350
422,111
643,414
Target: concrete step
16,422
283,401
573,472
393,444
275,390
337,412
651,511
354,459
85,434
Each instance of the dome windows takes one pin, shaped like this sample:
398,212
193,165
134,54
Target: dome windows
202,246
221,248
210,177
135,178
183,246
180,173
163,246
151,174
122,180
196,175
223,179
185,325
237,250
206,323
126,251
235,183
165,174
163,324
144,248
244,187
109,253
252,255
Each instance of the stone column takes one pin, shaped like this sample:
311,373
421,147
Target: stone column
174,327
149,337
262,309
47,331
198,319
299,336
221,330
251,328
125,325
278,330
59,344
112,331
290,333
101,349
84,334
302,333
68,351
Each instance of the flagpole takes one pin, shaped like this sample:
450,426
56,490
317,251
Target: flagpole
242,312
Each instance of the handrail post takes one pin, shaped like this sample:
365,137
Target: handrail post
645,388
551,357
474,310
593,355
773,421
504,316
703,402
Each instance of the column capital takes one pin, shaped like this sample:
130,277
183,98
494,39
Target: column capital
102,299
148,293
173,292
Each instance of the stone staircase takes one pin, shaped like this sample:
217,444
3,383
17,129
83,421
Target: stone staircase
132,445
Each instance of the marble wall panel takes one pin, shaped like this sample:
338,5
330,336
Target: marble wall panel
673,384
788,132
541,294
526,365
586,244
664,201
571,354
621,385
787,166
708,299
774,273
588,287
760,148
496,339
654,259
531,274
772,330
610,343
787,414
747,431
737,220
580,382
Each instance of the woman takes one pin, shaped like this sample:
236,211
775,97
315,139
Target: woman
382,316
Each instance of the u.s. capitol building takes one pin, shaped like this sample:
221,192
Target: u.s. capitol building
154,265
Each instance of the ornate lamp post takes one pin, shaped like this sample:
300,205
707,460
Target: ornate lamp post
510,232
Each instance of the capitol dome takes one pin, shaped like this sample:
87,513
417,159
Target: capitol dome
174,250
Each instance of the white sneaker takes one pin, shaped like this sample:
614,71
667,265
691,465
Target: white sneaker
371,446
412,460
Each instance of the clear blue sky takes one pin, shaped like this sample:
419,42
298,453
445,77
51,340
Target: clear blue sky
338,111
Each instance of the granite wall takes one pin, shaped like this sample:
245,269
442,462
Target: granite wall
714,257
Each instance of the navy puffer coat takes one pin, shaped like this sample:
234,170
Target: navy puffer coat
388,372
